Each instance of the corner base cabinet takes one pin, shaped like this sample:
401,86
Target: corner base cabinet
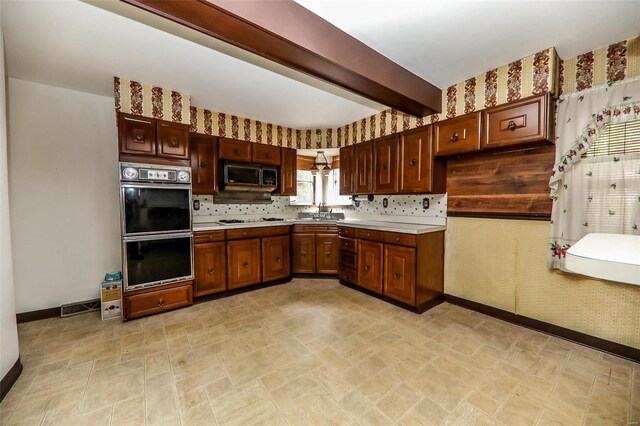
315,249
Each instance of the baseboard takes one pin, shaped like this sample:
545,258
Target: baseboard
614,348
10,378
316,276
37,315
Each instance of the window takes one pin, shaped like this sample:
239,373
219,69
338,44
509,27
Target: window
333,191
616,139
305,195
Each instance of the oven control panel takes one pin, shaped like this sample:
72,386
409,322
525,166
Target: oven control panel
147,174
151,173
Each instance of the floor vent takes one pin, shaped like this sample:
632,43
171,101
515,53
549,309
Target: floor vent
71,309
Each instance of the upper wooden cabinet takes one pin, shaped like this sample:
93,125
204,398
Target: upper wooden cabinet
173,140
266,154
419,171
204,163
235,150
210,268
137,135
385,165
528,120
276,261
363,168
243,262
347,160
458,135
288,172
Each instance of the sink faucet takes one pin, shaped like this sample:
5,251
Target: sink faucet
319,209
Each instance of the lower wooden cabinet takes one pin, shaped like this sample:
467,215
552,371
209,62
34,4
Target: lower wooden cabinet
370,265
400,273
304,253
276,262
327,253
243,262
149,302
210,261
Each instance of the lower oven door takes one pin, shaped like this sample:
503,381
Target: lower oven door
156,260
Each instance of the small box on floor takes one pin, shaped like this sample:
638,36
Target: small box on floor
111,298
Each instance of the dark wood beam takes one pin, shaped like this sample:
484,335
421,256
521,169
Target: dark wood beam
287,33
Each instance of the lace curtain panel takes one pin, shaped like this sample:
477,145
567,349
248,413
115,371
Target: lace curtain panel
599,194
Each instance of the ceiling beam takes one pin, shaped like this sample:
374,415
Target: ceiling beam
287,33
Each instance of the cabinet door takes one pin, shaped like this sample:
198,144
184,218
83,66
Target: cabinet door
347,157
370,265
210,268
243,262
231,149
363,172
288,172
203,164
173,140
137,135
266,154
276,260
416,161
304,253
400,273
385,165
327,251
458,135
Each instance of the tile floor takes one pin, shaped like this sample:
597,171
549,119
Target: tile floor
312,352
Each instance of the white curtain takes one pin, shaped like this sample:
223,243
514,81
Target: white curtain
586,193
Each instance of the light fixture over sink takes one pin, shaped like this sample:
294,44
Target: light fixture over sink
321,164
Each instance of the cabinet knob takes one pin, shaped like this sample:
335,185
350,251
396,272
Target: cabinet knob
384,166
304,253
397,239
211,270
244,233
327,254
278,259
367,267
160,302
413,162
139,138
211,237
396,274
203,165
346,245
235,151
454,137
245,264
174,143
512,125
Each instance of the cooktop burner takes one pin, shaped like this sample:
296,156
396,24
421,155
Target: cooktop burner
271,219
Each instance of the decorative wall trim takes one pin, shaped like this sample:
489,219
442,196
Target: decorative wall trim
143,99
37,315
618,349
10,378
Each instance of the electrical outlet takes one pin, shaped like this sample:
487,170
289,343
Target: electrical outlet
385,202
425,203
196,204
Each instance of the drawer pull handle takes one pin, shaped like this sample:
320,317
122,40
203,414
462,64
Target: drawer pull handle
413,162
367,267
327,254
203,165
235,151
244,233
384,166
174,143
211,237
397,275
454,137
278,259
139,138
346,245
245,264
304,253
160,303
211,270
397,239
512,125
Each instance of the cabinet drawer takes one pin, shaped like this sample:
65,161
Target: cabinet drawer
315,228
238,234
231,149
368,234
348,244
208,236
348,259
520,122
458,135
266,154
400,239
347,232
153,302
349,275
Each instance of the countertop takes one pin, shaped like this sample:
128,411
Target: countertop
405,228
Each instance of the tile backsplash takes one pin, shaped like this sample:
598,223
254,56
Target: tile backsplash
405,205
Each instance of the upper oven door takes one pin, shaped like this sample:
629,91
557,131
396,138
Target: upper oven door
155,208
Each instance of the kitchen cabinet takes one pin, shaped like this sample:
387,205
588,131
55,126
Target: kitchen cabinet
348,255
276,262
235,150
304,253
370,265
210,268
385,165
347,166
144,302
522,122
137,135
266,154
419,172
458,135
172,140
243,262
363,168
204,164
288,172
327,253
399,273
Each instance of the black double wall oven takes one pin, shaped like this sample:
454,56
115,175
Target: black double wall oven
155,203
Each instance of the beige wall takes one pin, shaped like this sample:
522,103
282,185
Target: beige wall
63,188
502,263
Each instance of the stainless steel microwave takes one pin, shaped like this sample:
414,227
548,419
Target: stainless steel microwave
247,177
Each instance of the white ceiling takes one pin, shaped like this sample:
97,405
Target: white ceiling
80,46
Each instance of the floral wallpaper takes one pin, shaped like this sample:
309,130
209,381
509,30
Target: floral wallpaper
137,98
